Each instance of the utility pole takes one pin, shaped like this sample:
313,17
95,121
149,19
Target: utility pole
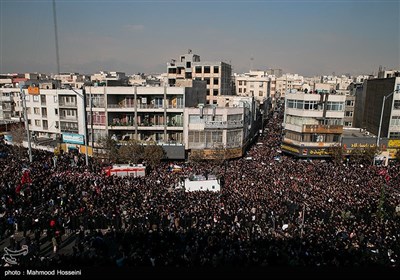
85,130
26,124
91,118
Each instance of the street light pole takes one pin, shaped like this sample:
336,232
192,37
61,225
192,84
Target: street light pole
381,118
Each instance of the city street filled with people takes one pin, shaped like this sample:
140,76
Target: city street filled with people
272,210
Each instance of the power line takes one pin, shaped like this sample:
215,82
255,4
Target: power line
56,37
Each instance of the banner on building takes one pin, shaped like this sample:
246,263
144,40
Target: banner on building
73,138
33,90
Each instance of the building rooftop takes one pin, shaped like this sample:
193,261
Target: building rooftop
357,132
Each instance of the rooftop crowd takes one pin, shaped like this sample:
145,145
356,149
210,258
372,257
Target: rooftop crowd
272,210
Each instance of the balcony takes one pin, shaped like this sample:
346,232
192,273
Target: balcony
223,124
69,105
309,128
69,118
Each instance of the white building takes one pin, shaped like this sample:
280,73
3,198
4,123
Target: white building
254,83
223,129
312,123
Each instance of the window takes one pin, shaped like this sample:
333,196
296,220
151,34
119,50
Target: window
45,124
213,137
195,119
55,99
172,70
395,120
334,106
36,111
394,135
236,117
348,114
216,69
348,124
215,81
396,105
310,105
198,69
37,122
56,111
196,136
207,80
332,121
188,64
350,103
215,92
234,138
292,103
206,69
260,93
240,90
240,83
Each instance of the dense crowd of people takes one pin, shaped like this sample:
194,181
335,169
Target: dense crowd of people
272,210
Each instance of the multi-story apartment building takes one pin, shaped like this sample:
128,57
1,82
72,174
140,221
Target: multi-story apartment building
286,83
7,104
145,114
312,123
348,120
218,75
210,129
254,83
374,91
53,112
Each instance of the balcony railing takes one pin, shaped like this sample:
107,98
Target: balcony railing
144,106
223,124
70,118
67,104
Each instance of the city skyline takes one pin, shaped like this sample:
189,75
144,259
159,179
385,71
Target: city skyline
304,37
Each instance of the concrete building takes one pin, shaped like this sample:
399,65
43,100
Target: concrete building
70,80
218,75
145,114
254,83
7,103
373,93
312,123
215,130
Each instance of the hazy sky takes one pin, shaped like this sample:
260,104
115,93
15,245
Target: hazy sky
304,37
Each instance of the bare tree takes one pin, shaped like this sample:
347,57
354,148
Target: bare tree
196,156
109,147
337,153
397,156
364,155
153,154
18,134
131,152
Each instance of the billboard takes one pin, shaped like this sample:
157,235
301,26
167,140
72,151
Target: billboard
33,90
73,138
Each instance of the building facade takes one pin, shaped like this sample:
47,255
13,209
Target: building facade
218,75
373,95
312,123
